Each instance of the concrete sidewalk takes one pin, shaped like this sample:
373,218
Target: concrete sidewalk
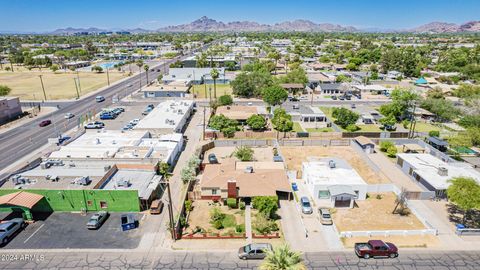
248,223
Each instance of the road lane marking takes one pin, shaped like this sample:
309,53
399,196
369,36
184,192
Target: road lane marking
33,233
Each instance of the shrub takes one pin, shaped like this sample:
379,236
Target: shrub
229,221
379,196
242,205
263,225
216,214
405,123
217,224
244,153
229,132
392,151
232,203
188,206
240,228
434,133
352,128
225,100
267,205
385,145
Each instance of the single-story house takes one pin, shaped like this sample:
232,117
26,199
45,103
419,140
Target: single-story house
294,87
433,173
333,182
333,88
412,148
240,113
437,143
244,180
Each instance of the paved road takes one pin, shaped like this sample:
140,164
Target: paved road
228,260
27,138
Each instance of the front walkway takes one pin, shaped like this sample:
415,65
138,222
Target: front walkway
248,223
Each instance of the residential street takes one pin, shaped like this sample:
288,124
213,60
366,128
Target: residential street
228,260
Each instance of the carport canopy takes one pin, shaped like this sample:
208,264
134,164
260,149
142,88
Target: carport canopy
22,199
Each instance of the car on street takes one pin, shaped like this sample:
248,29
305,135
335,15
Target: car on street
212,159
325,217
9,228
306,205
376,248
334,97
45,123
94,125
99,99
69,115
254,251
96,221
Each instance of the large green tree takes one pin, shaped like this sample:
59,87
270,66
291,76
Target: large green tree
250,84
344,117
274,95
256,122
464,192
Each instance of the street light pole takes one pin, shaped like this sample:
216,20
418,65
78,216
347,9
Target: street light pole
79,86
108,78
43,87
76,87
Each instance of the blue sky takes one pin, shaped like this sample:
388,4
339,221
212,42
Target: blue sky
45,15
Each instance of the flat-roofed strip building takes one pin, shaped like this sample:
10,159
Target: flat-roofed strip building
167,117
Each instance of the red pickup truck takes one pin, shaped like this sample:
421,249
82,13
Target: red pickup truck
376,248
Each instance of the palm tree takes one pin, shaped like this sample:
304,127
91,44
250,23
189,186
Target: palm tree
282,258
214,73
146,67
139,63
275,55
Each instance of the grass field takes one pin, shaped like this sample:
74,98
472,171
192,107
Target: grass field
297,127
325,129
26,84
222,89
369,128
425,127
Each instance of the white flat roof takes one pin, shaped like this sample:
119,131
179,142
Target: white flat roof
426,166
318,172
100,144
166,115
143,181
374,87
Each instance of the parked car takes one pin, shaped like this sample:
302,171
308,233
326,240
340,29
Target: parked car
94,125
107,116
294,99
45,123
127,127
151,106
306,206
156,207
353,106
96,221
325,217
254,251
341,97
135,121
334,97
9,228
147,111
69,115
296,106
212,159
376,248
99,99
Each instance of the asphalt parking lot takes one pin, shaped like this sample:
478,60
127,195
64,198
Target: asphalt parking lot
131,112
68,230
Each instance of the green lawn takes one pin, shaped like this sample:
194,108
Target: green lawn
222,89
328,112
425,127
297,127
325,129
369,128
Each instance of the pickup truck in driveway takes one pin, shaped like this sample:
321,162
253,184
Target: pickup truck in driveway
376,248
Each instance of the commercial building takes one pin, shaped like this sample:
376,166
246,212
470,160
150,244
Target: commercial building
9,109
178,88
170,116
433,173
333,182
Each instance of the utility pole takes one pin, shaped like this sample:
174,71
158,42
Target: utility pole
204,124
76,87
170,211
411,130
43,87
206,95
79,86
11,65
108,78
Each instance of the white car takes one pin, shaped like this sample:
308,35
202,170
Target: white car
94,125
135,121
69,115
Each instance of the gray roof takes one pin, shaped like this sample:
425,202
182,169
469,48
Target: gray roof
340,190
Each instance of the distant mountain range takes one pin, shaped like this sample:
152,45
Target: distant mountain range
443,27
205,24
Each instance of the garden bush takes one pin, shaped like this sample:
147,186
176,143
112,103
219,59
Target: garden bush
231,203
384,145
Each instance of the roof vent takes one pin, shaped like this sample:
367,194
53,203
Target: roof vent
442,171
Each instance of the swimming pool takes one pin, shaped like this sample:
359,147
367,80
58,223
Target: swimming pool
108,65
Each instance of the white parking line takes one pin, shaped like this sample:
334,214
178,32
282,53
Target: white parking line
33,233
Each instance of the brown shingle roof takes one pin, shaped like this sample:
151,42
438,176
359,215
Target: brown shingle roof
21,198
364,140
262,182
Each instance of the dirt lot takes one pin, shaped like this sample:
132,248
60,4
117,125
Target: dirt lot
375,214
294,156
200,216
60,85
260,153
400,241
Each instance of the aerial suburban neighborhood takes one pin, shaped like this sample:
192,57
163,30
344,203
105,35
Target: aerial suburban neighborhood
273,142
